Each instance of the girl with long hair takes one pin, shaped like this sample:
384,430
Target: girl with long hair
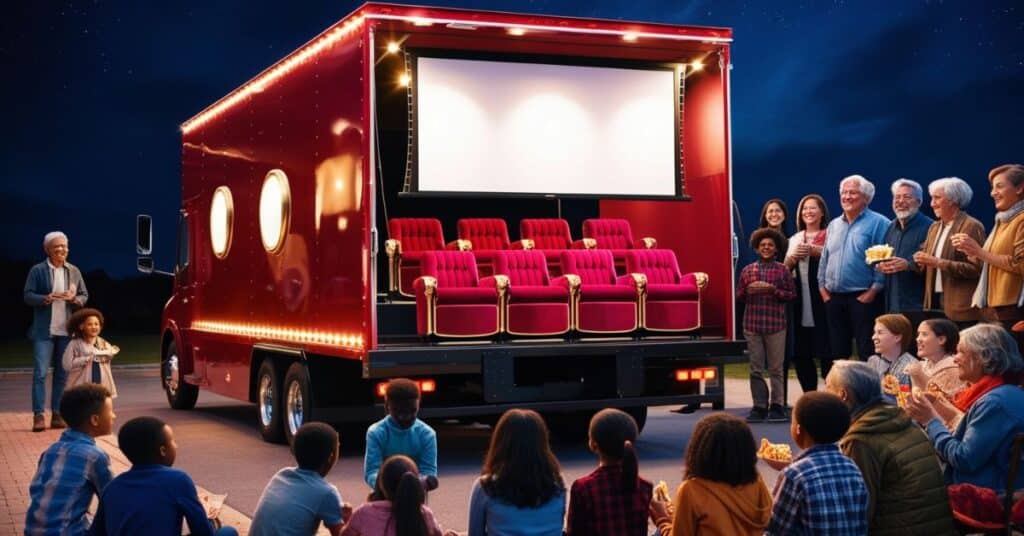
397,505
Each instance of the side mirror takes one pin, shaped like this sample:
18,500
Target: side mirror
144,238
145,265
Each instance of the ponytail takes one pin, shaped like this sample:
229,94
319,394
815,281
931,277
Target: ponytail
630,467
406,506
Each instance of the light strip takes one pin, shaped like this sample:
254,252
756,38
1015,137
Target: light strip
540,27
287,334
271,75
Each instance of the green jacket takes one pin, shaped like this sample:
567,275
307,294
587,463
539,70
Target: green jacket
906,490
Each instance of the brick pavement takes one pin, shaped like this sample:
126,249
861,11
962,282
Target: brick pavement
19,454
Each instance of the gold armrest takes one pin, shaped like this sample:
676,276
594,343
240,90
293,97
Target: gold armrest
464,245
528,243
649,242
589,243
702,280
392,247
641,282
429,285
502,283
574,283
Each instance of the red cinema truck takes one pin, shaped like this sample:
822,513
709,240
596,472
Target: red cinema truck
348,214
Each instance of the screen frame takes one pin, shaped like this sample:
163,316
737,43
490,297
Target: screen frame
413,152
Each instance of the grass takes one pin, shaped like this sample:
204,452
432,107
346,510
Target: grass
135,349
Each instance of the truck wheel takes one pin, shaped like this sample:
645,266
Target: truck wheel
297,403
718,405
639,414
268,402
180,394
570,426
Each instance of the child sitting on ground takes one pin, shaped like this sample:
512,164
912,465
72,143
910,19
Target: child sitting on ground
401,433
722,492
822,491
613,500
151,498
74,468
765,285
87,357
298,499
396,506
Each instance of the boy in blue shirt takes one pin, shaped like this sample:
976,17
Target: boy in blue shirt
71,470
151,498
401,433
297,499
822,491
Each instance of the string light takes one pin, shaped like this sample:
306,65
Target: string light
516,31
287,334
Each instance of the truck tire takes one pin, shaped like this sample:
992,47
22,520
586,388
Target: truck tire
268,402
639,414
297,402
718,405
180,394
568,427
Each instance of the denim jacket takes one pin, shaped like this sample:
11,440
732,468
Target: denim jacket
979,451
38,284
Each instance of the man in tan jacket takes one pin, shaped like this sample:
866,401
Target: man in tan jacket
950,275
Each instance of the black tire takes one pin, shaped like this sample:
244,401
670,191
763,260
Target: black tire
639,414
569,427
180,394
296,400
268,403
718,405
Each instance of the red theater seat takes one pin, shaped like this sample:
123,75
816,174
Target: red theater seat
672,300
485,236
409,239
450,299
549,235
616,235
533,306
602,302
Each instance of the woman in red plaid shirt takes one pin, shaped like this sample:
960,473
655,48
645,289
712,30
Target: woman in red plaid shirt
613,500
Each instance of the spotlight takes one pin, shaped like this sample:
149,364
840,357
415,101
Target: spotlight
393,47
404,80
696,65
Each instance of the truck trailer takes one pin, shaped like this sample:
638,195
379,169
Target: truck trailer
345,220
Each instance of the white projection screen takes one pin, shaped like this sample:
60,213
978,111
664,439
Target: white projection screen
494,127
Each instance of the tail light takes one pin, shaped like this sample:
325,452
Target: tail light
426,386
683,375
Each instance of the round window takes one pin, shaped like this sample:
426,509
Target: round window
222,216
275,210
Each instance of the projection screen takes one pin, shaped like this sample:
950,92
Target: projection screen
497,127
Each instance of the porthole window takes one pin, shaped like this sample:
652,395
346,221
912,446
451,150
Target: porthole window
222,217
275,210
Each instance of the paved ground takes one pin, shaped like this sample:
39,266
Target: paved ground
220,447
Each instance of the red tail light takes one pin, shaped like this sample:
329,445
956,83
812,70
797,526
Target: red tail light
683,375
426,386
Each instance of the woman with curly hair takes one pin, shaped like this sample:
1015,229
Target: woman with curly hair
87,357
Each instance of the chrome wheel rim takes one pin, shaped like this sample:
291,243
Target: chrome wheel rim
266,400
171,374
294,411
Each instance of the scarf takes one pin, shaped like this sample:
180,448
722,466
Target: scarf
980,298
966,398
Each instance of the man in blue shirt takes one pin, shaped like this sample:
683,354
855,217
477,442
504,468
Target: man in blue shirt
151,498
904,280
72,469
848,285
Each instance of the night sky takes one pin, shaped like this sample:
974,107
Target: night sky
94,93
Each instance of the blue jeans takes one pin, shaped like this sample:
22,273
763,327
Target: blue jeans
48,353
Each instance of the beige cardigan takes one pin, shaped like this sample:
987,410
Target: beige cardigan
78,358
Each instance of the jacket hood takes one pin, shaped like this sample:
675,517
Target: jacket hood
749,504
880,418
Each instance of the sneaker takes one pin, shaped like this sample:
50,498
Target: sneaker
757,414
56,421
38,422
777,414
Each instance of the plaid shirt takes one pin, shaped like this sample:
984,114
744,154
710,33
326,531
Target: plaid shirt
821,492
599,507
70,471
766,313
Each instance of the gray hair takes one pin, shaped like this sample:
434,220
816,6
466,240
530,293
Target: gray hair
994,346
53,235
954,188
861,382
864,185
914,185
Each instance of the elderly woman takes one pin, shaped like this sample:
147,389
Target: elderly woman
978,452
937,371
1001,287
893,337
803,257
950,276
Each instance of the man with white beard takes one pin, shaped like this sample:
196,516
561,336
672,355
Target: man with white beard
904,281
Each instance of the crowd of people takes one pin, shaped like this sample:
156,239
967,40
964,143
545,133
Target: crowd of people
923,421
